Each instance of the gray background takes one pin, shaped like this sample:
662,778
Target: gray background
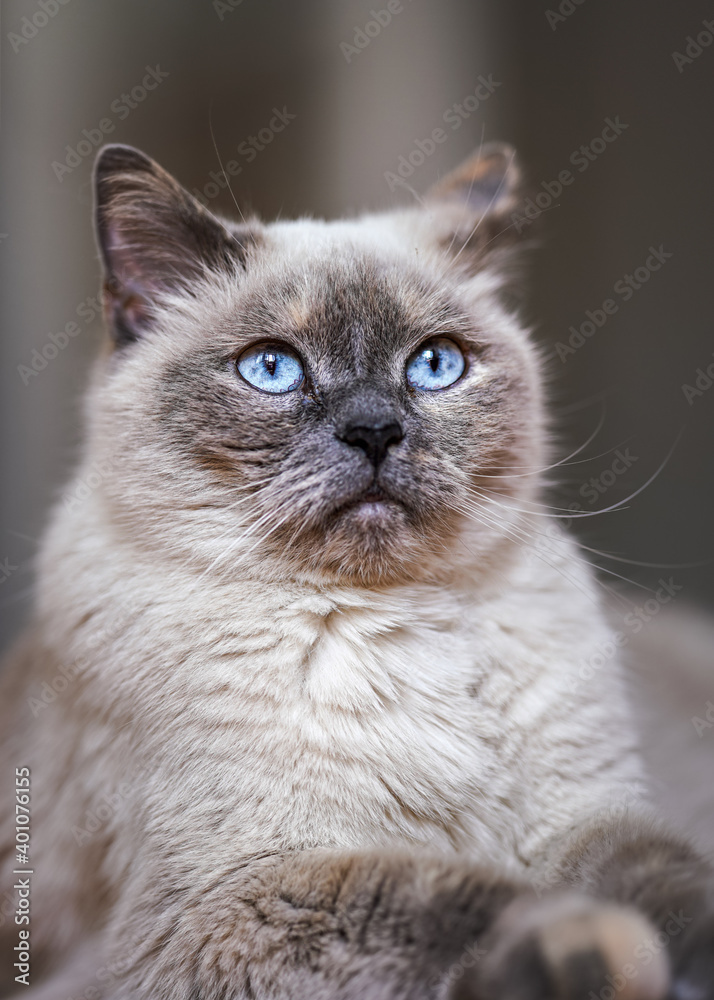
353,121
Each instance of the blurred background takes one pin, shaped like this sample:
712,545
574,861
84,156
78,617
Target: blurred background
318,105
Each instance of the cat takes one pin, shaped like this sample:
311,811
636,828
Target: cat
298,713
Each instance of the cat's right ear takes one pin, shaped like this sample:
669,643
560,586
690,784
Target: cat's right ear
154,239
473,213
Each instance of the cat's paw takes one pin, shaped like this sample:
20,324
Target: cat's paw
569,948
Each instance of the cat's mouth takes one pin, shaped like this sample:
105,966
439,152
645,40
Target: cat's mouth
374,494
374,498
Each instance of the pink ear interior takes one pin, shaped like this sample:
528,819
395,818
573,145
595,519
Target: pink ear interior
488,179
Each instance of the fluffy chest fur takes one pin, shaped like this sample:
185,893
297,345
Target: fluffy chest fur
284,717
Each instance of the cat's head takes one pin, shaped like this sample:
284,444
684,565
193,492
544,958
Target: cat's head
342,400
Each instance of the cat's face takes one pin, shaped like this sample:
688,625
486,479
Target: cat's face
321,399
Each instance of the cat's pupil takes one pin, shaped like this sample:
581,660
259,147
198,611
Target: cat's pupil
270,361
433,359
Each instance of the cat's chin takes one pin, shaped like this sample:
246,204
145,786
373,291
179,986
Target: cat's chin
368,520
371,542
372,515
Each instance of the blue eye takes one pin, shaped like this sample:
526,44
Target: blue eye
271,367
436,364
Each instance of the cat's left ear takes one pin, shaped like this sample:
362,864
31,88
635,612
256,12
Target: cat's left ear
154,238
475,207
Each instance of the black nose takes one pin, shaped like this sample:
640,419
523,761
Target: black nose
373,439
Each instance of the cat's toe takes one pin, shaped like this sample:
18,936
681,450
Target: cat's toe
570,948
